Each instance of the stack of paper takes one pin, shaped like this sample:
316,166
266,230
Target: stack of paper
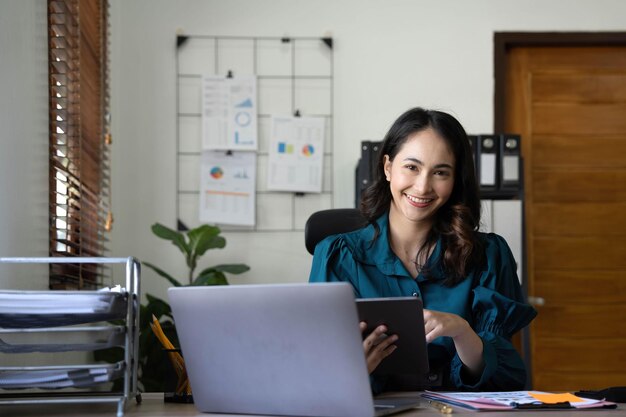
61,339
59,377
22,309
510,400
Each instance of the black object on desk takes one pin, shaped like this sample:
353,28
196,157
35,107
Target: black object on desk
543,406
612,394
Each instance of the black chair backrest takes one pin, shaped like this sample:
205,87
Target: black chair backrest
330,222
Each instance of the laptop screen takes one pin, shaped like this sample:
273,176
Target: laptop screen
282,349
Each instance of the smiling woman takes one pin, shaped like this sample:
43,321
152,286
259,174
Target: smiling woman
423,241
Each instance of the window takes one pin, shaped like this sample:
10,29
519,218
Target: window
79,168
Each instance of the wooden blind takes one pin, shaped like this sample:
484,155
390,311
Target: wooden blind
79,166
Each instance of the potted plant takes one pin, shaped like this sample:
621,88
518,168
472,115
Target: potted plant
193,244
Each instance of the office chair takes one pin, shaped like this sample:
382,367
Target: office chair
330,222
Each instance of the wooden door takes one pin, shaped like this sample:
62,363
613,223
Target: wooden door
569,105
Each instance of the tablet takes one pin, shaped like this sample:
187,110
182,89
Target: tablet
403,316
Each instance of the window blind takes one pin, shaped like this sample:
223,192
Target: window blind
80,140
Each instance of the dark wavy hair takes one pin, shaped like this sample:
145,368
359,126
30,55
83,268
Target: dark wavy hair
457,221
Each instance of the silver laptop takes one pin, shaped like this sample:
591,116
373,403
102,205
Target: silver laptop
277,349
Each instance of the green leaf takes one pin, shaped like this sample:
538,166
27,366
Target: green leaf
177,238
215,242
211,278
201,237
164,274
199,241
230,268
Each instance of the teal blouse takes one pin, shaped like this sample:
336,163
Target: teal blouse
490,299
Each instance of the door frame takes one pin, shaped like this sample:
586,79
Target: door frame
503,42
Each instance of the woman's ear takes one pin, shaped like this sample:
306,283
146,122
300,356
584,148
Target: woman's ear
387,167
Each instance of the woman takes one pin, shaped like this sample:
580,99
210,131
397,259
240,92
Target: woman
422,240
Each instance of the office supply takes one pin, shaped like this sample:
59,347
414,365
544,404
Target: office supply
475,147
182,386
403,316
61,339
441,407
45,321
31,309
280,349
516,400
613,394
489,161
365,173
510,163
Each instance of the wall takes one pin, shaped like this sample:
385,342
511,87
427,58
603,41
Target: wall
389,55
23,140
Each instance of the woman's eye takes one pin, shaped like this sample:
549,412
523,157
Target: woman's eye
442,173
411,167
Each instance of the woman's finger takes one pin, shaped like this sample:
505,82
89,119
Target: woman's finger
362,326
374,337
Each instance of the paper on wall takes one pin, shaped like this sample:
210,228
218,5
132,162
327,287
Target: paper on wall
227,187
296,154
229,113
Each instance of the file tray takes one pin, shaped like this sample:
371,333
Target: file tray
60,320
58,339
28,309
47,377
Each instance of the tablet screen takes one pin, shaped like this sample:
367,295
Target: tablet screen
402,316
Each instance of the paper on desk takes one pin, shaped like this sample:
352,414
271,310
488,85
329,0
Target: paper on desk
510,399
549,398
15,378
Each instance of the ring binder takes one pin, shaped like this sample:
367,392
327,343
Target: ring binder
489,161
475,148
510,171
366,167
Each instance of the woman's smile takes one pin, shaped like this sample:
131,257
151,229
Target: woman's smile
417,201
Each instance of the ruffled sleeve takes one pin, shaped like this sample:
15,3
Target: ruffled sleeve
333,261
498,304
498,311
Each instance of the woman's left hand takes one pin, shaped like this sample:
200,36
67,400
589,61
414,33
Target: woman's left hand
468,345
437,324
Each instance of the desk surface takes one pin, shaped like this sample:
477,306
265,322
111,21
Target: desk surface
153,406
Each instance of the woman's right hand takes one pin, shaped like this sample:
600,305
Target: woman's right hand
377,345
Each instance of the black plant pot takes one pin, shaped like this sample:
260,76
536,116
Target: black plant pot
171,381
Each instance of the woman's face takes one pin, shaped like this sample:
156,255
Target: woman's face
421,176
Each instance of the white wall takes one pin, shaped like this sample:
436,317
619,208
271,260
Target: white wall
389,55
23,140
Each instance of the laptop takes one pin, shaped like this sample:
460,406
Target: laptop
277,349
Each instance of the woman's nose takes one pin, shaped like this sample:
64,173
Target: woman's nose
422,184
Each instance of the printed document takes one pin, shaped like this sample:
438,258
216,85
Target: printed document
227,187
296,154
229,113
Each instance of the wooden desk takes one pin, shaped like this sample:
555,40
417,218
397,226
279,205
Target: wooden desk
153,406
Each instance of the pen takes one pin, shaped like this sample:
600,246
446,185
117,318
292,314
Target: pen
443,408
